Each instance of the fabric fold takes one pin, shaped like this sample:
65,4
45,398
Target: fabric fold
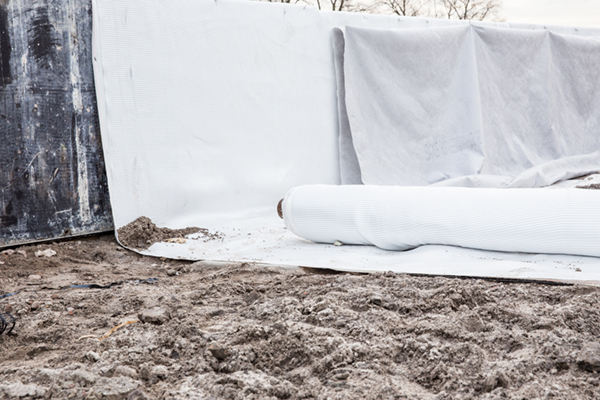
349,167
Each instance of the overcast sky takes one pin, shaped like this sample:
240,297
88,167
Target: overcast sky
555,12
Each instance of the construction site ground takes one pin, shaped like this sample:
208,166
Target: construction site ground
170,329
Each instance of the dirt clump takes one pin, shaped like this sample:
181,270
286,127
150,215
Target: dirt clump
594,186
242,331
143,233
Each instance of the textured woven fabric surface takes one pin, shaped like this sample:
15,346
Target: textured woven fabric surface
401,218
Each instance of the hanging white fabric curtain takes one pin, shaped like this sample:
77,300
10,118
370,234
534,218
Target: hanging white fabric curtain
467,105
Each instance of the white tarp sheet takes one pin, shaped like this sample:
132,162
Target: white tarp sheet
211,111
466,105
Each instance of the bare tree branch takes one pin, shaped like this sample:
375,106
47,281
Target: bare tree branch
450,9
407,8
472,9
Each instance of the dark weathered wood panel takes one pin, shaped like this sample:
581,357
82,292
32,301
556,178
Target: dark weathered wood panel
52,176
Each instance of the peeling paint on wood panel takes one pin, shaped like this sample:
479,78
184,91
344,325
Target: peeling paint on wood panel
52,177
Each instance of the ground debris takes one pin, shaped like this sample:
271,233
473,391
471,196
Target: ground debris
243,331
589,357
45,253
156,315
593,186
116,388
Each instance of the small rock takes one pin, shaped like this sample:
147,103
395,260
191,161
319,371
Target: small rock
442,396
138,395
45,253
123,370
145,371
261,288
156,315
18,390
85,377
473,323
376,301
35,305
70,310
220,353
217,313
589,357
47,375
159,372
92,356
8,309
494,380
456,298
342,376
282,390
252,297
55,296
34,277
544,323
115,388
22,252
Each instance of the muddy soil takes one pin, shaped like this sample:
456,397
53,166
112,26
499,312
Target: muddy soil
240,331
143,233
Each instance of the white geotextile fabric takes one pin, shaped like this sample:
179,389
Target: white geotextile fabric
210,111
405,217
469,105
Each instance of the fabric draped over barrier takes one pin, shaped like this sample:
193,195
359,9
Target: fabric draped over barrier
468,106
211,111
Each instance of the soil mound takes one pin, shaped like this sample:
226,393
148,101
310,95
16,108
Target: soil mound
143,233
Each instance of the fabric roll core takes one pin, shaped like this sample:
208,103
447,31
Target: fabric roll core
280,208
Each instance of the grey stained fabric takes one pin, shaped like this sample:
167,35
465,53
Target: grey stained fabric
469,105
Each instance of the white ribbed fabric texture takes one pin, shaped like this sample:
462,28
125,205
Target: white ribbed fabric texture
401,218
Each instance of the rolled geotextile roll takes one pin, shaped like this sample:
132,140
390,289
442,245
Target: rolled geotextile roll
559,221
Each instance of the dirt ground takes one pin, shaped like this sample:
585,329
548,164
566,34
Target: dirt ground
208,331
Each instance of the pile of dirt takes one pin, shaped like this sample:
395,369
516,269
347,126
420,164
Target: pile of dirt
143,233
242,331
